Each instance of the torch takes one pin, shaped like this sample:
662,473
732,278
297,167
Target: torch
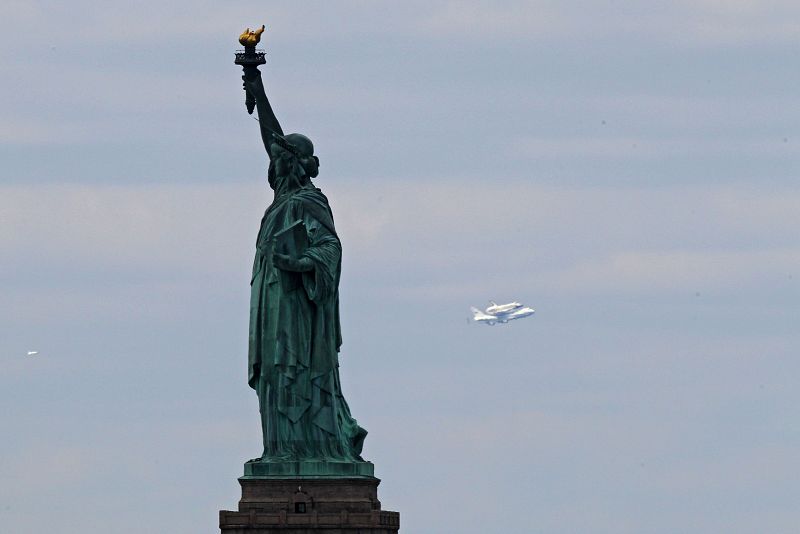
250,57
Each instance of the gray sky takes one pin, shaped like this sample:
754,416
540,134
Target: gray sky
628,169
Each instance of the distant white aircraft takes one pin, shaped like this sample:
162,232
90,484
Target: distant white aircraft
517,312
33,352
495,308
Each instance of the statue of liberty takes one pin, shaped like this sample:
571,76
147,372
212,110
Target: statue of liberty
295,333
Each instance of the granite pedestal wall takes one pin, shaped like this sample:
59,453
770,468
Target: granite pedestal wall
307,505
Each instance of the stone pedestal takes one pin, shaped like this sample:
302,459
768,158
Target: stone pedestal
308,505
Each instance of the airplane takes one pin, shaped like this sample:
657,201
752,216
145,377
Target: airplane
498,309
492,319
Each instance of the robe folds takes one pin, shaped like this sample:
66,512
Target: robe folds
295,336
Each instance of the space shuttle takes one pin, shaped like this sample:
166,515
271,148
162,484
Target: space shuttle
495,308
501,313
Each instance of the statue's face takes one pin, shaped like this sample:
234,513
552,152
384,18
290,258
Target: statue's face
286,161
284,164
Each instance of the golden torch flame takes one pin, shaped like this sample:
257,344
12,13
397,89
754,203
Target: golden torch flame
250,38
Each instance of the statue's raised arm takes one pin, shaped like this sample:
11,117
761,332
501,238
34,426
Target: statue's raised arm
253,84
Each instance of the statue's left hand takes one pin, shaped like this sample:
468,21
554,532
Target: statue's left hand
286,263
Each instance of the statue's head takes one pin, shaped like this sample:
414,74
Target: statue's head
302,148
293,162
301,143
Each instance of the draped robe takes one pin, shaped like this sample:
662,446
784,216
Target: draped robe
295,336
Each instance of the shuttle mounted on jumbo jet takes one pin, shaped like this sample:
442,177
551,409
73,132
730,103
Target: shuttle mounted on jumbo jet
501,313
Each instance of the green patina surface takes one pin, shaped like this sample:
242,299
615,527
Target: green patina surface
310,469
295,333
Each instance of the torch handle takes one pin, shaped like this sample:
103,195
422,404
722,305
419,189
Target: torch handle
249,58
249,101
